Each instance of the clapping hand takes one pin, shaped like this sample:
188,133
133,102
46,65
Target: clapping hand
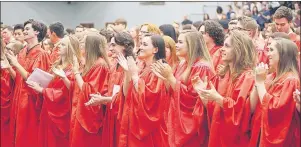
211,94
164,69
97,99
261,72
59,72
12,58
132,66
122,61
198,84
155,68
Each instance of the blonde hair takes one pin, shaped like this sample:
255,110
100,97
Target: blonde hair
196,49
72,49
171,44
245,55
248,23
17,47
95,48
288,52
273,27
152,28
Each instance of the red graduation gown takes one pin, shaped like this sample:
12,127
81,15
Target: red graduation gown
55,113
229,125
7,85
27,103
216,56
141,114
186,119
275,122
54,55
111,126
87,121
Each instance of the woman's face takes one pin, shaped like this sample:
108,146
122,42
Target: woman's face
273,55
147,50
63,46
181,46
227,51
46,45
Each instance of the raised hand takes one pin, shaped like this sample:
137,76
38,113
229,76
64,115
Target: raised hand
133,68
165,69
12,58
122,61
211,94
155,69
59,72
198,84
261,72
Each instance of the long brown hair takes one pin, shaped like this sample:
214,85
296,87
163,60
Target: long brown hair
244,53
196,50
171,44
288,52
95,48
72,49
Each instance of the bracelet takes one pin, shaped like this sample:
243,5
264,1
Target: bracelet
76,73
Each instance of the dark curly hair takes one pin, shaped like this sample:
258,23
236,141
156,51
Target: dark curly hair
215,31
284,12
107,33
126,40
38,26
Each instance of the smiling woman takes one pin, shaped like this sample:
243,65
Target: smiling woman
275,92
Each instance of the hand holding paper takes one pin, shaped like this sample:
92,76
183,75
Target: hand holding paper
35,86
41,77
